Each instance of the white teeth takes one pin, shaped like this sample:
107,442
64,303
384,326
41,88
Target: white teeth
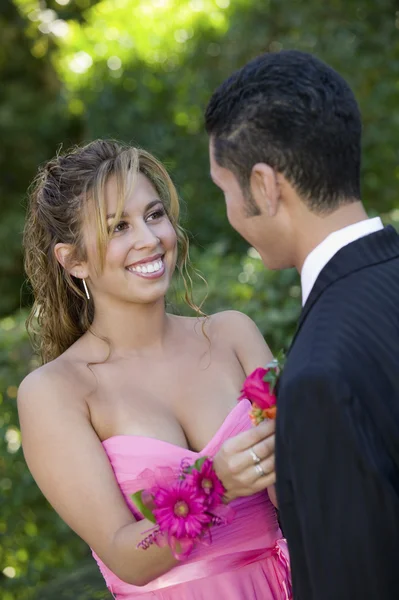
148,267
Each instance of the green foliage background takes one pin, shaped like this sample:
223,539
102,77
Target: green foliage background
142,71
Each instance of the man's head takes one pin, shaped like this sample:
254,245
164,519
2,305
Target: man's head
285,135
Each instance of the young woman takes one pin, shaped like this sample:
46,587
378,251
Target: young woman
125,386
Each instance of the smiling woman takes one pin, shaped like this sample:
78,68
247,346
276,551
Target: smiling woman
102,241
142,240
78,209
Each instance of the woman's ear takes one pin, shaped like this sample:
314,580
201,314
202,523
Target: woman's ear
64,254
265,188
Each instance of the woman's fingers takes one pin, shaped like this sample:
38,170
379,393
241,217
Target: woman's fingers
241,461
245,463
263,482
261,451
253,481
264,469
253,472
251,437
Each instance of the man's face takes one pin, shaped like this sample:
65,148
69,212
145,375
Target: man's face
257,217
239,209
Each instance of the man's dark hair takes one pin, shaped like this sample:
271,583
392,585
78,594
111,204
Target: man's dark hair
296,114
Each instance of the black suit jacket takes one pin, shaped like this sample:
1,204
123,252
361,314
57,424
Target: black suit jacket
337,439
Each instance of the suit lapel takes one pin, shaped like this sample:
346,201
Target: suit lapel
369,250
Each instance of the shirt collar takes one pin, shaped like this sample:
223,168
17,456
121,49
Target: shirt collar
323,253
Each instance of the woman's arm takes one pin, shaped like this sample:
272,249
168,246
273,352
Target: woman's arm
71,468
251,351
246,340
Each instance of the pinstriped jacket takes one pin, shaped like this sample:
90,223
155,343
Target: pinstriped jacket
337,434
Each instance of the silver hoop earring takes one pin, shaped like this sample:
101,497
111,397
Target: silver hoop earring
86,289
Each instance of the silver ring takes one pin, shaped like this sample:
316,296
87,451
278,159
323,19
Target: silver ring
259,470
255,457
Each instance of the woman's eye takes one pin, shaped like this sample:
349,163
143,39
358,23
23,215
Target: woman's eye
157,214
120,226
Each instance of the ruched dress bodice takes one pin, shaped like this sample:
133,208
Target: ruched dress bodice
247,558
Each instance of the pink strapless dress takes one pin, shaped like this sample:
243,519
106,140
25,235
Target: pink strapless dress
247,559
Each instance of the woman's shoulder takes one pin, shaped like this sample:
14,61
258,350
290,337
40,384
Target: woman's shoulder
228,318
56,381
227,326
243,336
232,325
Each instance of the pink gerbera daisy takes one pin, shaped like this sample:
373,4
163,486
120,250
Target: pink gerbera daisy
207,483
180,511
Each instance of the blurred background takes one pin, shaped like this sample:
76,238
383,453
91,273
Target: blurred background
142,71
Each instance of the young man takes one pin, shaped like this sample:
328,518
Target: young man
285,139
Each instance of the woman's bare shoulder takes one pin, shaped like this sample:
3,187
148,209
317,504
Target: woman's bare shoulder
227,318
218,319
241,334
61,379
230,324
224,326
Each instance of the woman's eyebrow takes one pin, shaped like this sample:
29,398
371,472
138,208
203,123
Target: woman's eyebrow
124,214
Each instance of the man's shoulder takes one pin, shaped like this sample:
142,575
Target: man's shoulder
313,367
352,323
357,302
304,384
331,343
370,286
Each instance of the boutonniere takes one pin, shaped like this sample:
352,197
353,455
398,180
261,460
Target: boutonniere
259,388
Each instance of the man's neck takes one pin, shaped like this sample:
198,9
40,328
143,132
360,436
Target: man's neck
316,228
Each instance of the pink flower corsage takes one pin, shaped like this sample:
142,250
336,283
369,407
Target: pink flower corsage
183,508
259,389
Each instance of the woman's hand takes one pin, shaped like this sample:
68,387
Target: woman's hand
245,463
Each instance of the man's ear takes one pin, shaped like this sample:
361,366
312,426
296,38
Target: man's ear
265,188
64,253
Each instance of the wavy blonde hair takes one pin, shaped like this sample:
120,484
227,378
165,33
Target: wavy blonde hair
61,195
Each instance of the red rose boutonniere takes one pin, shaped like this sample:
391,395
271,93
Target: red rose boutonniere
259,389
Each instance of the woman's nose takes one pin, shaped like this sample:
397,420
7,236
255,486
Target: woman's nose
145,238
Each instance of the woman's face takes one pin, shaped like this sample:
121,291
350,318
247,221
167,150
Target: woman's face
141,254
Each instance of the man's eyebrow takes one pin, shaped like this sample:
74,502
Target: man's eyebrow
150,205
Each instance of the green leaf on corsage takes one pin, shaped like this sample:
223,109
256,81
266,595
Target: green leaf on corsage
145,511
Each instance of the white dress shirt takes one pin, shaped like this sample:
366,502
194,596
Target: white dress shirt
323,253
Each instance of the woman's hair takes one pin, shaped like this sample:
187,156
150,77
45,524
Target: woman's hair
62,194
